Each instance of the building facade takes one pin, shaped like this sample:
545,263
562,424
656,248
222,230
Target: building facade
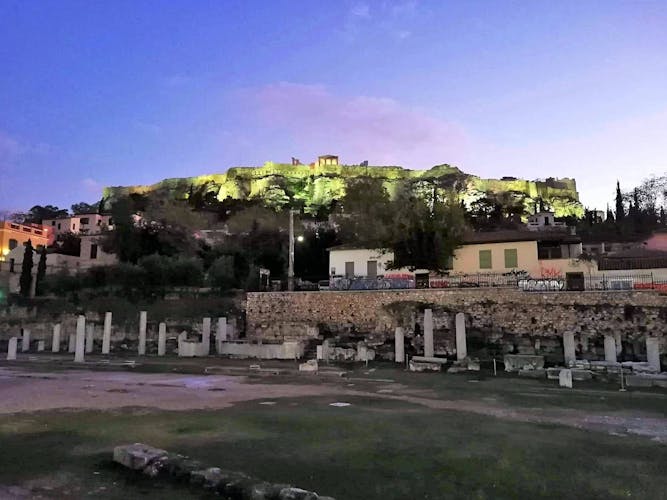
14,235
79,224
536,254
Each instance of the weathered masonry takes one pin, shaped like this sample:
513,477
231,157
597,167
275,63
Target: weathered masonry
499,320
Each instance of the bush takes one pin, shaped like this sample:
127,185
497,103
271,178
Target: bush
221,272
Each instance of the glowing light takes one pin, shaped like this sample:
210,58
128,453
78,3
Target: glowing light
299,238
5,251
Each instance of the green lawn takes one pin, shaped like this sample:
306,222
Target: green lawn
374,449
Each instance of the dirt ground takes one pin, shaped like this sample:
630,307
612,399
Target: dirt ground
24,390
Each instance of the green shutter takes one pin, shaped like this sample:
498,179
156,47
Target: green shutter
511,259
485,259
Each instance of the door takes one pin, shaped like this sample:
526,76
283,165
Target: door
349,269
372,268
575,281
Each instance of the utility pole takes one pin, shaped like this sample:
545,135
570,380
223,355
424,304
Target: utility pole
290,268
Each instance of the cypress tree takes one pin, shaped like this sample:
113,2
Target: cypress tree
620,210
41,272
25,281
610,214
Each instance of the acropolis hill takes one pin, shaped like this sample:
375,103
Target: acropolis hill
325,180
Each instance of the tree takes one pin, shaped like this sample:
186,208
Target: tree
423,236
620,209
85,208
38,213
68,244
221,272
364,214
25,281
41,273
125,240
610,215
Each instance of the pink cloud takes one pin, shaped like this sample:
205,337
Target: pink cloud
359,128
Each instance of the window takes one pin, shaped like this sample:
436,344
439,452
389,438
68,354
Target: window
549,250
485,259
13,244
53,223
73,227
93,251
58,225
511,259
85,220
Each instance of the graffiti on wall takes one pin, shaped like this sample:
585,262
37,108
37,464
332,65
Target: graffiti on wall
542,285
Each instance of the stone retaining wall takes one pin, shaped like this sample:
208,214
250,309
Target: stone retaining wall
513,320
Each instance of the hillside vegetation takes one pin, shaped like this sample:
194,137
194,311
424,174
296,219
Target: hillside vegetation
315,188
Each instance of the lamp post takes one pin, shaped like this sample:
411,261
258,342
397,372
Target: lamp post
290,267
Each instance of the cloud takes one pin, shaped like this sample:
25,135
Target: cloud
377,129
390,18
361,10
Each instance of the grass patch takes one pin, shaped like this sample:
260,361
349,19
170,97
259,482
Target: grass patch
374,449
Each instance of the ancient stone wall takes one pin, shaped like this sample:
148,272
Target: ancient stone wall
504,320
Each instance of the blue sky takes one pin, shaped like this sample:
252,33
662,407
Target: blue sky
96,93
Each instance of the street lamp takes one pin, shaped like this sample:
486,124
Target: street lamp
290,267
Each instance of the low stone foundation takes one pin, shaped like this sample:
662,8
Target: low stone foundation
155,462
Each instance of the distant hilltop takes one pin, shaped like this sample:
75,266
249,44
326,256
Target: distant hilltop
318,184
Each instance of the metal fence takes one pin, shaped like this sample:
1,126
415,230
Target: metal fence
522,281
629,281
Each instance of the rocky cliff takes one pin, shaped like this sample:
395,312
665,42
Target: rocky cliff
318,185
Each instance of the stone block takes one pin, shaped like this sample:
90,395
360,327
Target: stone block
180,467
11,348
552,373
639,366
416,366
579,374
540,373
424,359
565,378
309,366
638,381
235,484
296,494
516,362
211,478
137,456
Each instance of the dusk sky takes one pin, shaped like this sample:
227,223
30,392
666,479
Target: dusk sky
98,93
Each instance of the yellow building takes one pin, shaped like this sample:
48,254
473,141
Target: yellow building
539,254
13,235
